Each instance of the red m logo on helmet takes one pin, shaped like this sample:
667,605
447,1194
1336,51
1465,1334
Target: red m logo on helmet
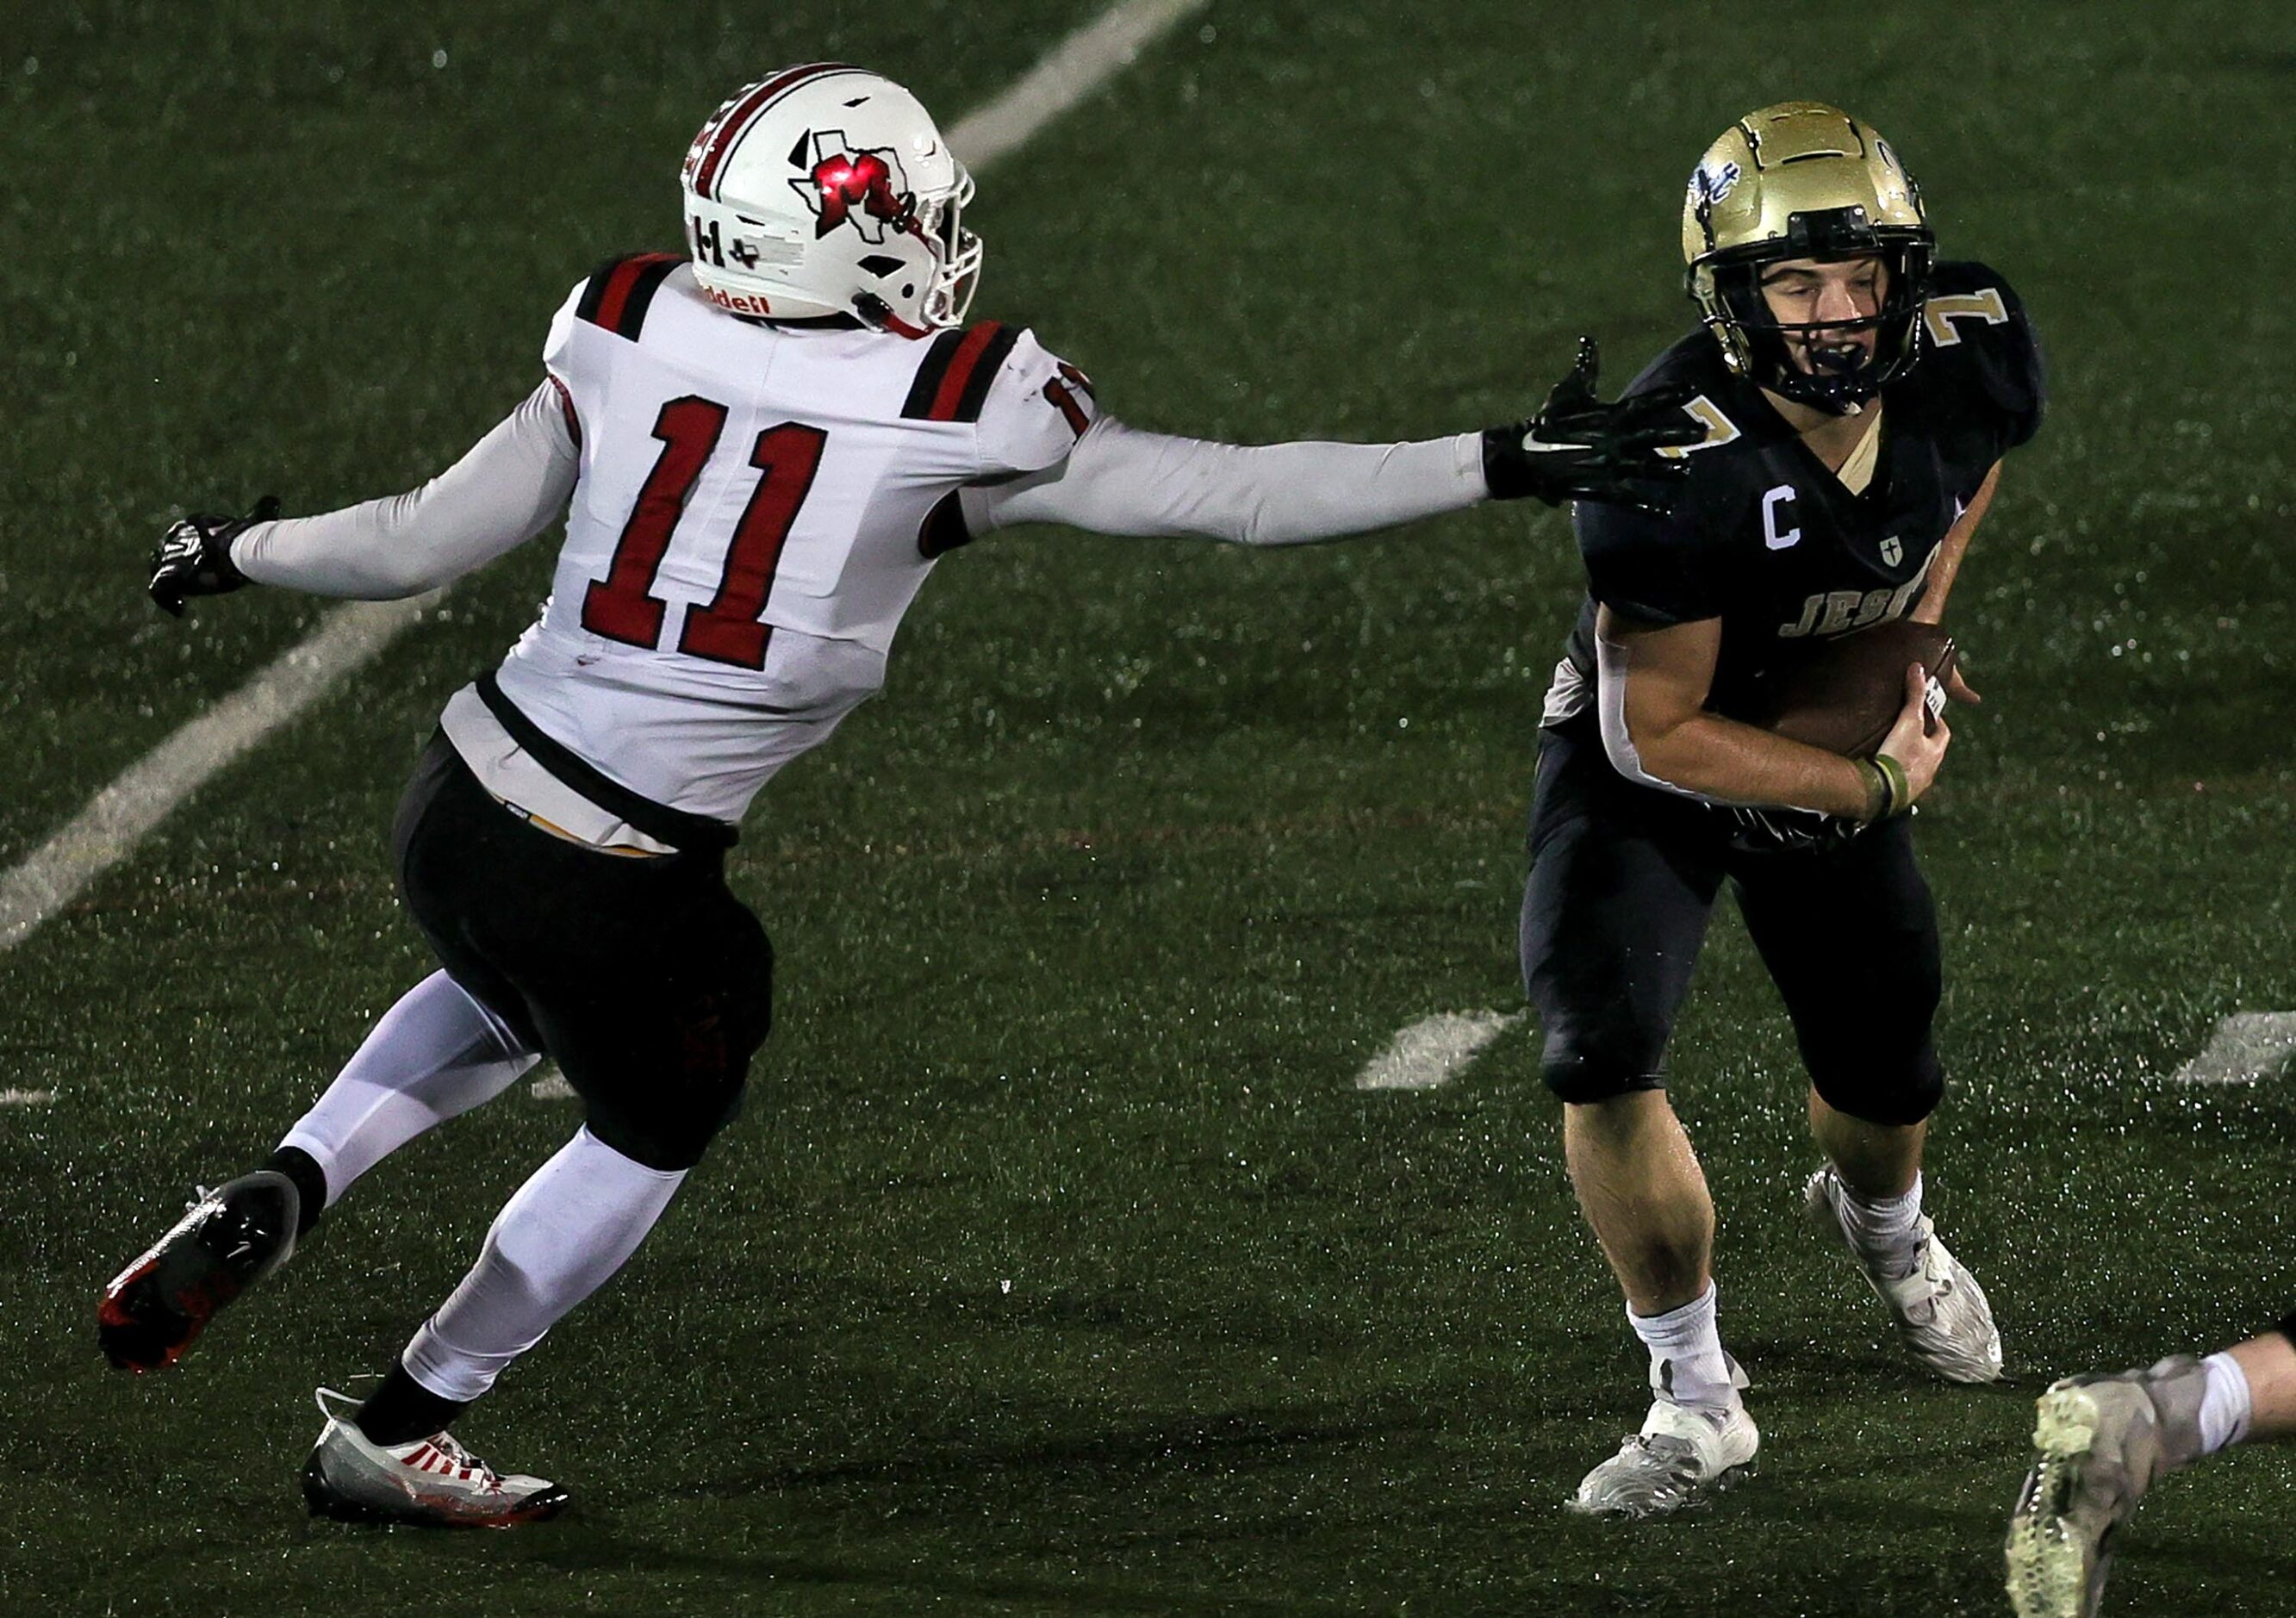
846,180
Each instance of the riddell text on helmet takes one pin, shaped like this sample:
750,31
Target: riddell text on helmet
738,303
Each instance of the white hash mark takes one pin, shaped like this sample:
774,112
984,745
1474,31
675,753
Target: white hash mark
26,1098
1434,1049
122,815
2247,1046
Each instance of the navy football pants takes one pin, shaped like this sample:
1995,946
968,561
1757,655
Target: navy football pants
1622,880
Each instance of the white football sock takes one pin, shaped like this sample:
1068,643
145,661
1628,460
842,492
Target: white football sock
2225,1407
435,1055
1887,1229
558,1239
1688,1364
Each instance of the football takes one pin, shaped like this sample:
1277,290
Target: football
1848,693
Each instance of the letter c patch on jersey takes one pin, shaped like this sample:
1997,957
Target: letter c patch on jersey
1774,537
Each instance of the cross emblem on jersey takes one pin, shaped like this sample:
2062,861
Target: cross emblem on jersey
864,188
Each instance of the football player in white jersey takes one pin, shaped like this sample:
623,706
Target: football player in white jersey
759,447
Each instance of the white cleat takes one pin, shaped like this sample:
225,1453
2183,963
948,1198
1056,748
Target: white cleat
1940,1309
1683,1456
2101,1442
433,1482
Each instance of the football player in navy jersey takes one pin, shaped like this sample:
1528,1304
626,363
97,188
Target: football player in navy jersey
1857,400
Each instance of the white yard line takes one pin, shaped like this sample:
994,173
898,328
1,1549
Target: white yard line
353,636
2245,1047
1078,65
26,1098
1434,1049
117,818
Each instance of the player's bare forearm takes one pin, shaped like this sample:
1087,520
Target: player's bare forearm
1654,682
1737,763
1952,548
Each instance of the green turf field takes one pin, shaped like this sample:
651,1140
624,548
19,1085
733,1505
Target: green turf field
1056,1265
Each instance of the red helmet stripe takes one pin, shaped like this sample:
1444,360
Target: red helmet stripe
736,123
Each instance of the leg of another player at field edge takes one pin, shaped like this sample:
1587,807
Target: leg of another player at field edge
1641,1189
434,1055
1876,1161
2269,1364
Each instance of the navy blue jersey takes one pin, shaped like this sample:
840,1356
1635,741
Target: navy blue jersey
1764,537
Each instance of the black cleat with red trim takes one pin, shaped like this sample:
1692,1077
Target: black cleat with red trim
229,1239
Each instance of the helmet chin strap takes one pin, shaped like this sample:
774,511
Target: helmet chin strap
878,316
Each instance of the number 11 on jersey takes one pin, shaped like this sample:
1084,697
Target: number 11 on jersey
622,606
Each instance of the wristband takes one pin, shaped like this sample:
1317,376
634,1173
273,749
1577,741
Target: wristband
1877,791
1899,789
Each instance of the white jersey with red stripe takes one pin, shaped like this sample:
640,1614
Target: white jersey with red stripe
750,521
750,510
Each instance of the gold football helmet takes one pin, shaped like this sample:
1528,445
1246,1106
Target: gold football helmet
1804,180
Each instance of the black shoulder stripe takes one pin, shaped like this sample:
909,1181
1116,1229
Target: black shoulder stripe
621,291
939,356
641,298
984,373
593,290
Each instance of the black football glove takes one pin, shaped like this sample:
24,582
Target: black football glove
1579,449
195,556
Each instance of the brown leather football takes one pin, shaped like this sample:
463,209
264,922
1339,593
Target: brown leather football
1848,691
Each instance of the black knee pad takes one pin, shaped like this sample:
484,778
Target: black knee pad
674,1088
1877,1088
670,1123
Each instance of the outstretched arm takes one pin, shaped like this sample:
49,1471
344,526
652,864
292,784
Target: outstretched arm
512,484
1120,479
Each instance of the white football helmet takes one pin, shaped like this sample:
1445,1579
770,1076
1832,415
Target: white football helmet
827,190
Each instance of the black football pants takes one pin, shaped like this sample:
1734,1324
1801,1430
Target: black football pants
646,980
1622,880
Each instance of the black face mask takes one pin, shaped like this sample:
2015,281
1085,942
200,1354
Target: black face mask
1843,376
